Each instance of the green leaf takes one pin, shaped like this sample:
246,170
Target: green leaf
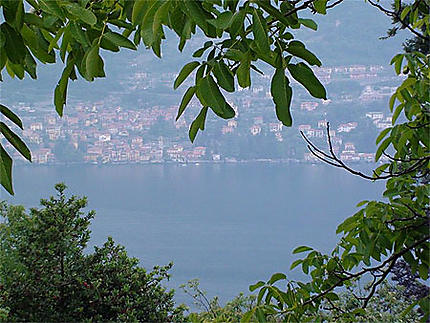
185,100
305,267
382,148
223,21
332,296
228,112
397,60
246,318
81,13
30,65
200,52
276,13
302,249
147,31
423,271
78,34
60,93
13,12
298,49
16,69
198,123
53,42
321,6
235,55
244,72
282,94
308,23
296,263
276,277
108,45
38,45
15,141
392,101
409,308
210,95
405,12
119,40
161,15
122,24
199,73
382,134
236,26
397,112
305,76
256,286
224,76
424,308
51,6
10,115
67,37
260,315
260,34
198,14
183,74
14,44
362,203
261,294
94,64
407,83
139,9
331,265
378,171
6,170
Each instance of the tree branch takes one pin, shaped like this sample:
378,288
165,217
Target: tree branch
333,160
390,261
397,16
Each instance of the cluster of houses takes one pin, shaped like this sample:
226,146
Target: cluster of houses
116,135
379,120
345,152
371,93
108,135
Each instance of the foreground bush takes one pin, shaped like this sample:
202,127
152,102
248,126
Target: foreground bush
392,303
46,276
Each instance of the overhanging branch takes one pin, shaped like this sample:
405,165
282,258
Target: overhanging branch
331,159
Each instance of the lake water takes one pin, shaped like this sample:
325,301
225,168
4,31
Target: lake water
228,225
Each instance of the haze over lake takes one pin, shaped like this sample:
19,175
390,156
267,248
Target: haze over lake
227,224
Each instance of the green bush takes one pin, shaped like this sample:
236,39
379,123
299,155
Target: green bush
45,275
210,310
389,304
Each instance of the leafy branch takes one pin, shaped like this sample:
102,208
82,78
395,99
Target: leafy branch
331,159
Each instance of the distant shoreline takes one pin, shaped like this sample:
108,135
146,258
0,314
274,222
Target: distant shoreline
192,163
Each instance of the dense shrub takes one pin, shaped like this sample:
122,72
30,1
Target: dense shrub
45,275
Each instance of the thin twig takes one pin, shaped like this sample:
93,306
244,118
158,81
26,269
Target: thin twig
397,16
333,160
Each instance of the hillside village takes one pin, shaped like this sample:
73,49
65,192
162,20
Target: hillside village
104,132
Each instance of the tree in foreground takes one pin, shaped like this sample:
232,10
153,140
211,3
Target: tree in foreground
384,238
46,275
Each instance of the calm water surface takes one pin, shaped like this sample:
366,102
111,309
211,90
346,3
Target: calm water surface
228,225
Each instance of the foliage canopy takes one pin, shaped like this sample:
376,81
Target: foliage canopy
382,233
238,34
45,275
